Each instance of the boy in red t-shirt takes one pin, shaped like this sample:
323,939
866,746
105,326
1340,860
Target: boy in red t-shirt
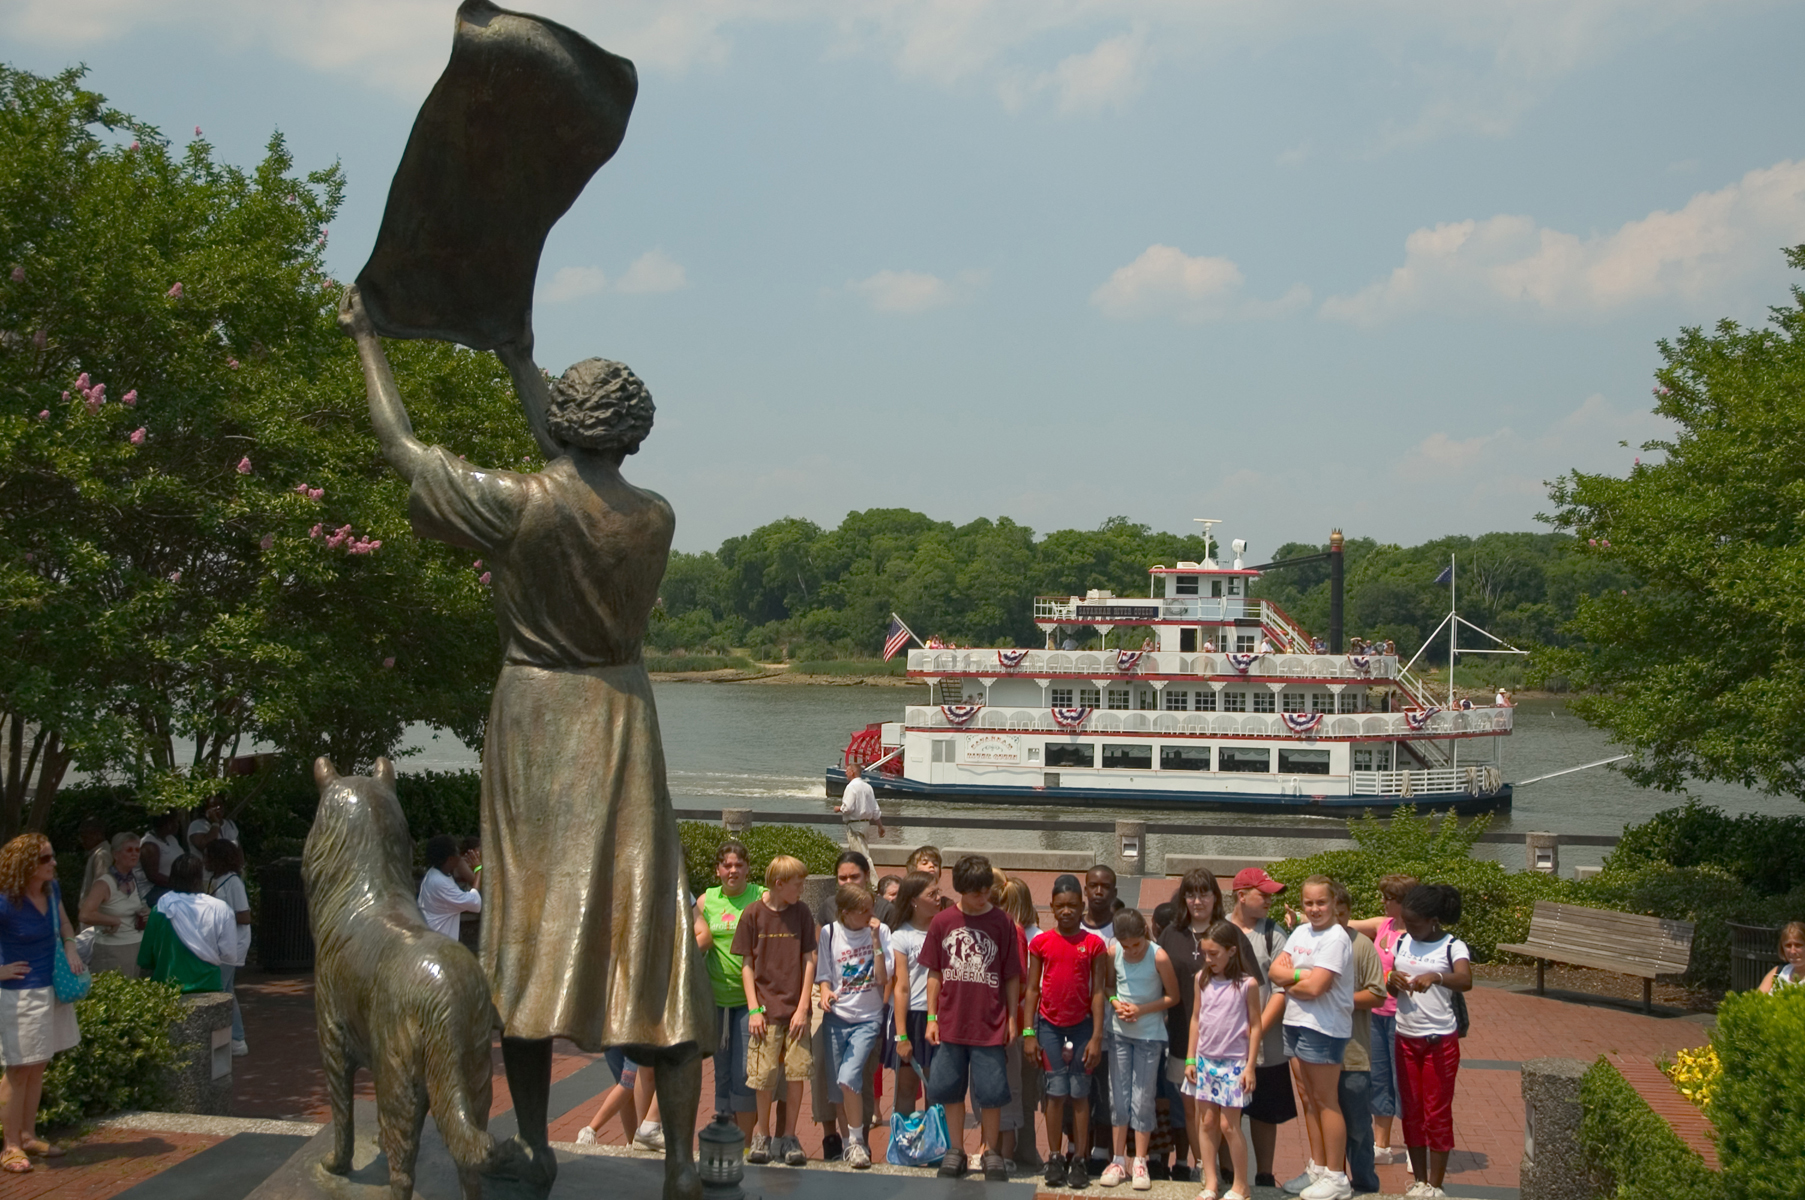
973,959
1067,980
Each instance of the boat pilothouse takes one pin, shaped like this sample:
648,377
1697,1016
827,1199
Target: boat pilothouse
1228,705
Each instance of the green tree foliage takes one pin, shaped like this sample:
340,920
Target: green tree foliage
1700,672
199,541
1758,1104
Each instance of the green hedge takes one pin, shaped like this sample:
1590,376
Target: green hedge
1758,1103
1634,1154
1708,895
123,1055
1759,851
763,842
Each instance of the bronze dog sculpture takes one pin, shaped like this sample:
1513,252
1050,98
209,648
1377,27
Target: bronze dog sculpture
390,994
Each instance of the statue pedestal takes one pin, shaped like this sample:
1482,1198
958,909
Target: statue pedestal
435,1175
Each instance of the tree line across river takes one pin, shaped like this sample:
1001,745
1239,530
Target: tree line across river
792,588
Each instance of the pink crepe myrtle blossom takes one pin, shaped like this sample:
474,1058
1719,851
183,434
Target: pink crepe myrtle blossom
45,414
477,565
232,362
389,662
269,540
134,145
316,531
244,465
197,131
315,493
18,274
99,391
65,397
130,398
174,293
300,489
484,578
94,401
82,381
175,577
138,436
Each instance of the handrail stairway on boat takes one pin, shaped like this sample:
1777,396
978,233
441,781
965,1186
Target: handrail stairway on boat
1276,620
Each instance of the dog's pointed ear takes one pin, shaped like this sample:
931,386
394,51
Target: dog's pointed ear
384,769
323,771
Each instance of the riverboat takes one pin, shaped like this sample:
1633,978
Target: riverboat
1229,706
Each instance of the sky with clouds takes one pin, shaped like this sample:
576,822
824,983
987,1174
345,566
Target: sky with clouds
1383,264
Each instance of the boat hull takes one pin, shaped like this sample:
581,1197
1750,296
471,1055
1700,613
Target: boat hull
904,788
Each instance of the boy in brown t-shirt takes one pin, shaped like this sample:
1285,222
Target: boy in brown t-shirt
776,942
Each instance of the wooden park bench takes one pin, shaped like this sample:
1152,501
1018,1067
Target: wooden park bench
1607,941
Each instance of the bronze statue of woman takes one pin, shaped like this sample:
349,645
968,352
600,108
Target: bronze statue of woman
585,931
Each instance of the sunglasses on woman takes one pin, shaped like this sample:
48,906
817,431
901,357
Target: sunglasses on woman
46,858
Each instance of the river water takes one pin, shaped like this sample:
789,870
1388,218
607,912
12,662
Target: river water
764,747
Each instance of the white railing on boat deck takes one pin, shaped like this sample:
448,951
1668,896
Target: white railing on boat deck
1091,664
1472,780
1348,725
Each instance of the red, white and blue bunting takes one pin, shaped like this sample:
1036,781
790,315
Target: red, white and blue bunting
1009,660
1128,660
1302,723
960,715
1419,720
1241,662
1360,662
1070,718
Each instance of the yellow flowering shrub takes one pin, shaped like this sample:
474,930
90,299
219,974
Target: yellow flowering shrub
1695,1074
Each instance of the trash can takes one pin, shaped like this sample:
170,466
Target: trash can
284,940
1754,951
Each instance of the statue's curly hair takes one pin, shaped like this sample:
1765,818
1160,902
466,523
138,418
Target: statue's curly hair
18,863
601,405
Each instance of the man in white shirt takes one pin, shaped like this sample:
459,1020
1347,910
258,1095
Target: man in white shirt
858,808
211,826
443,900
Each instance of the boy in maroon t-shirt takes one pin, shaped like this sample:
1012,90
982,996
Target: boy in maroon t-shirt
1067,981
974,967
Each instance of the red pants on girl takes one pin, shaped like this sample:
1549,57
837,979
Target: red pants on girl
1426,1070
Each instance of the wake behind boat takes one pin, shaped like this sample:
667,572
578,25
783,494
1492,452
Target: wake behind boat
1230,706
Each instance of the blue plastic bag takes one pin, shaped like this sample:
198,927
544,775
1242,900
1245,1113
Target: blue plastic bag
918,1139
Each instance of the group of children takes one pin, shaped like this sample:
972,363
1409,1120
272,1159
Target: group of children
1110,1025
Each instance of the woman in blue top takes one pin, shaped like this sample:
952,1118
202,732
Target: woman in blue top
34,1024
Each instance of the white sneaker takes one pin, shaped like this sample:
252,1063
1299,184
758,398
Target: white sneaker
1382,1156
1311,1174
1142,1181
239,1048
1113,1175
585,1136
649,1136
1420,1188
1333,1185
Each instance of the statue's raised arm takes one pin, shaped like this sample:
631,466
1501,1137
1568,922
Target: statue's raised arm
387,411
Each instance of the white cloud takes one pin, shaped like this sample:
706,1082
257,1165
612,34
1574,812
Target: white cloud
1504,55
651,272
911,292
1165,281
1505,463
1716,240
573,283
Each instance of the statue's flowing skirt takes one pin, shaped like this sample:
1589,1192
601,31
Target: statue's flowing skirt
586,930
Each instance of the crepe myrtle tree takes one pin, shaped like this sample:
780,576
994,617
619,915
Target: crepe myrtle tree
1699,670
200,546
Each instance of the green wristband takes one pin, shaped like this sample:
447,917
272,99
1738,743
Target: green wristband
757,1011
933,1018
1115,999
902,1037
1029,1033
1190,1062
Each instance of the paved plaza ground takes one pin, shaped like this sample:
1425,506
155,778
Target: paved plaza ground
281,1088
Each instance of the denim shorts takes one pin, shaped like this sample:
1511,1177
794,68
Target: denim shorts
987,1068
1385,1076
849,1045
1063,1078
1317,1049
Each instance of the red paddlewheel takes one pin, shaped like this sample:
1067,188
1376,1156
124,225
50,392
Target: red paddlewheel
866,747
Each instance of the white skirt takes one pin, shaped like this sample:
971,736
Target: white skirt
34,1025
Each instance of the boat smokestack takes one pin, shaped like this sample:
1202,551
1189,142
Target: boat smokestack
1335,591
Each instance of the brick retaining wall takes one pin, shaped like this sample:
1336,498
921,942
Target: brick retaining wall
1681,1114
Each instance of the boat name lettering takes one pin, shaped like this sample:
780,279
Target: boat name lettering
1118,612
993,748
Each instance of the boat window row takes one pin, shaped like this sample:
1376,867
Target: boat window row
1189,585
1138,756
1260,700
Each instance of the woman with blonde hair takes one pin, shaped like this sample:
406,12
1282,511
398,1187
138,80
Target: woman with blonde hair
34,1024
115,907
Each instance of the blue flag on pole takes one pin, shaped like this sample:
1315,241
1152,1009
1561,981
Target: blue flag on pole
1446,576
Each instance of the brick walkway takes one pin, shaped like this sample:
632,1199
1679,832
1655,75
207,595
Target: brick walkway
281,1078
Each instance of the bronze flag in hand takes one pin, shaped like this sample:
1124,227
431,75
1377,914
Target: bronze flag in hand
526,111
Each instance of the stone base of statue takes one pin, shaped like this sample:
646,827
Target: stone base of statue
435,1174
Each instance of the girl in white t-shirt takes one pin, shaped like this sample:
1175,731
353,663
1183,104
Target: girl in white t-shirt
1316,969
1428,966
1791,973
917,904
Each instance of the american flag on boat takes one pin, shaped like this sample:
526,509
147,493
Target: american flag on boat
1241,662
1128,660
896,637
1419,720
1070,718
1360,662
1302,722
960,715
1011,659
